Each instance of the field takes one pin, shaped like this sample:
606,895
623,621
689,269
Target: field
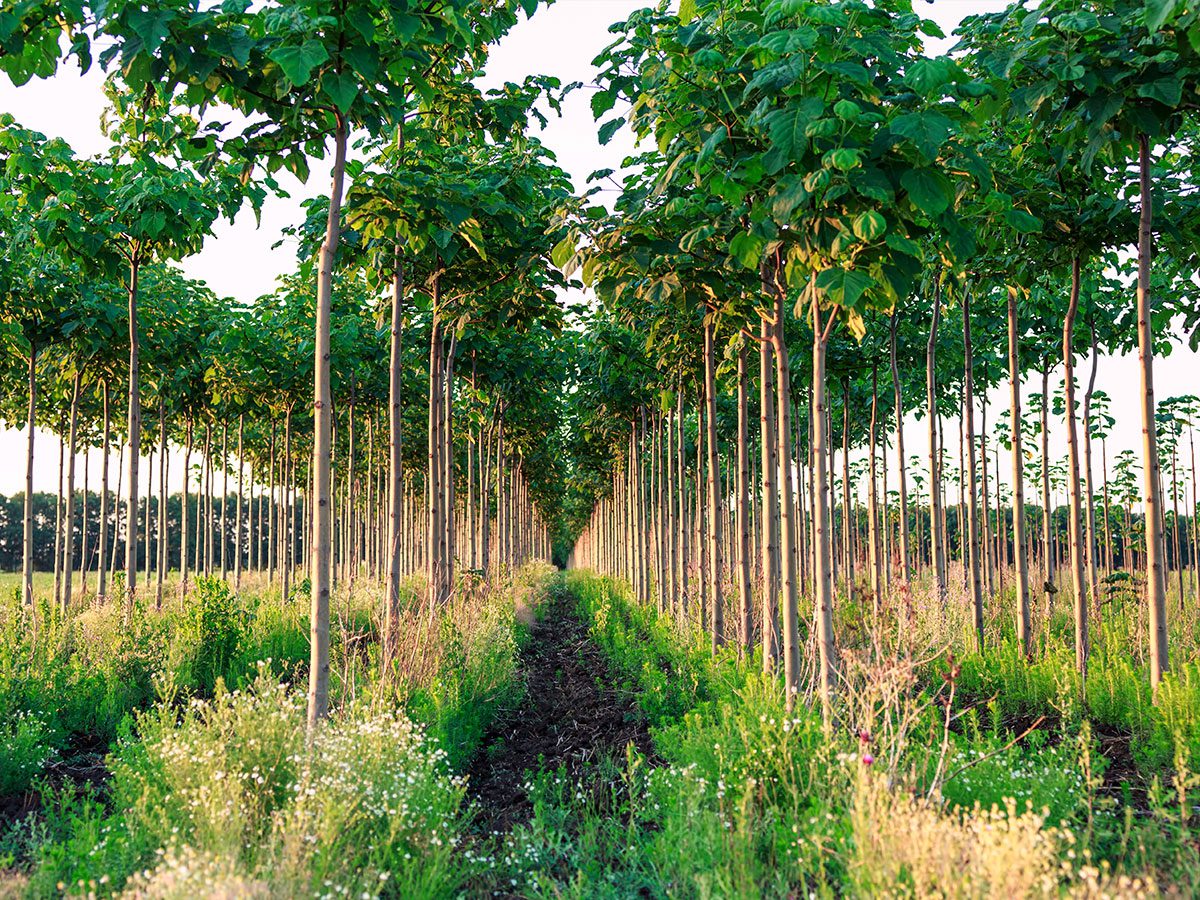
743,449
548,736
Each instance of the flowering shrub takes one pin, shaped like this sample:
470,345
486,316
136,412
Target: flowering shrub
26,745
230,790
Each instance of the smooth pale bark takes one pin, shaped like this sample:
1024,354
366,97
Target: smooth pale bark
133,421
102,545
847,499
433,483
1021,560
160,562
223,526
770,501
69,532
27,535
822,521
1156,585
58,523
395,473
1093,550
318,682
238,541
745,629
875,549
183,510
901,462
1048,566
971,557
1073,523
937,551
986,542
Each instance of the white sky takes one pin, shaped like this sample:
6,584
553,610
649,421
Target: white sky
559,40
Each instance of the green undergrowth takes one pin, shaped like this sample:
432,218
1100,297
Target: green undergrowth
747,799
1116,699
219,792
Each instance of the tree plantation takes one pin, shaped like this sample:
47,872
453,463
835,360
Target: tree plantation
772,513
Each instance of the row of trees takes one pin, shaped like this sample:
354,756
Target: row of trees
814,168
440,227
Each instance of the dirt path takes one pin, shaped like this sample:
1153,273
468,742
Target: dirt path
571,717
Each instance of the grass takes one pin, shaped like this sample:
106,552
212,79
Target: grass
946,772
213,785
922,788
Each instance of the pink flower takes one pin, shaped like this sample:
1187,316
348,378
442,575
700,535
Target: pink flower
867,759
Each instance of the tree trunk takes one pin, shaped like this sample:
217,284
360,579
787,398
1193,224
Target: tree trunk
395,462
27,537
102,546
1156,589
937,550
822,521
318,682
1093,550
1018,463
901,463
745,627
769,521
971,556
134,420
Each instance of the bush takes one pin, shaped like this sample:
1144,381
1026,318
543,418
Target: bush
233,786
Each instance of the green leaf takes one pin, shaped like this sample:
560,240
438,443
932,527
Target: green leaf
297,62
1167,91
747,249
687,11
151,26
843,287
1158,12
530,7
928,76
787,127
1023,222
563,251
695,236
844,159
926,130
869,226
341,88
928,190
847,110
608,129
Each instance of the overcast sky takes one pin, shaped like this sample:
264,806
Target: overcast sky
560,40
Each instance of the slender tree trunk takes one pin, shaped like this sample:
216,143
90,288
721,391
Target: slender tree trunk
1090,499
876,562
717,608
901,463
161,560
936,533
238,543
183,511
1020,558
770,502
1047,534
102,552
69,530
971,556
745,627
134,421
27,536
1073,525
395,473
318,683
1156,589
822,521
